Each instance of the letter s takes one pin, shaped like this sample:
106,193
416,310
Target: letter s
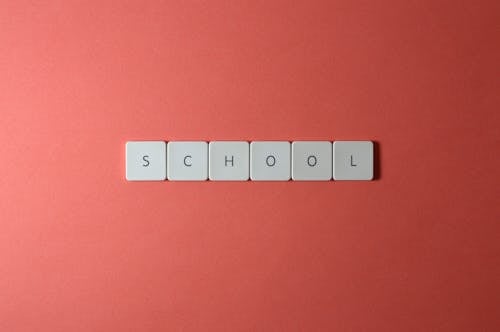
145,158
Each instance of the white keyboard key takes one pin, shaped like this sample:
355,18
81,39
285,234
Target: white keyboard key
270,161
228,161
145,161
353,160
311,161
187,161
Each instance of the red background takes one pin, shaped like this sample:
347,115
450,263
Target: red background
81,249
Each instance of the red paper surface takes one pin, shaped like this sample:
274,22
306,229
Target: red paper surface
81,249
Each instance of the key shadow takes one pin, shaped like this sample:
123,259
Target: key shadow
377,170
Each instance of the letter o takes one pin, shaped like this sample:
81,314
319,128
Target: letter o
270,161
314,161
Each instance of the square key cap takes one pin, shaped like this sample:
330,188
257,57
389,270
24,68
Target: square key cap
353,160
228,161
311,161
145,161
187,161
270,161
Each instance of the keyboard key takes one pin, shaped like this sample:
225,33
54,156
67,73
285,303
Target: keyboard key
353,160
187,161
270,161
228,160
145,161
311,161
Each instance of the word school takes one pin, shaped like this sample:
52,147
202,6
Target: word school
241,160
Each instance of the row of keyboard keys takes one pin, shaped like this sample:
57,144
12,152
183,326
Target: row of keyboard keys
240,160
